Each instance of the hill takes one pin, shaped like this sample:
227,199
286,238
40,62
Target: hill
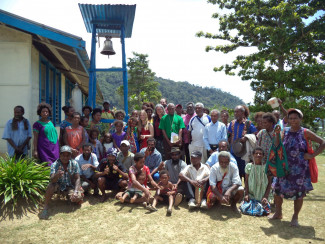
176,92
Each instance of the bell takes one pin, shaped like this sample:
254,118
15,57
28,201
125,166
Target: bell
108,47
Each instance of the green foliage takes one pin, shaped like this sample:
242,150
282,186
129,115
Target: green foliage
141,84
289,61
175,92
22,179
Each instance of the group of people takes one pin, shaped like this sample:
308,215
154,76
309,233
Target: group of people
180,153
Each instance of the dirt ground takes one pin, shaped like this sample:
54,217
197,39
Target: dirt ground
113,222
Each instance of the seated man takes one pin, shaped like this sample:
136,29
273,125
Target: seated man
152,158
125,157
222,146
112,174
225,184
196,175
88,163
65,178
174,166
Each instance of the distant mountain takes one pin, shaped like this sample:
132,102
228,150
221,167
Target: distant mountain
175,92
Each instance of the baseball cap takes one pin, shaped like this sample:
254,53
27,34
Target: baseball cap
65,149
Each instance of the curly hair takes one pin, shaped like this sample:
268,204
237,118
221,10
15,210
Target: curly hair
44,105
95,111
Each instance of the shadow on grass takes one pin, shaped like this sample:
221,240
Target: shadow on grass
222,213
59,205
22,209
284,231
313,197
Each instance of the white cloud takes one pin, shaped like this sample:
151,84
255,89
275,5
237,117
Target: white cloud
165,30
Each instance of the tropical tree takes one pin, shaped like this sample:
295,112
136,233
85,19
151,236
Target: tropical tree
289,61
141,84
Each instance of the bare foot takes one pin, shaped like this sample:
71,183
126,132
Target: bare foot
132,200
294,223
121,199
235,209
275,216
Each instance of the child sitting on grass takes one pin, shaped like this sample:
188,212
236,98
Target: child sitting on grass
165,193
133,193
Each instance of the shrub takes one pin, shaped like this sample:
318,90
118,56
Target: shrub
22,179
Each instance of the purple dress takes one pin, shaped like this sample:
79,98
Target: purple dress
47,145
297,183
119,138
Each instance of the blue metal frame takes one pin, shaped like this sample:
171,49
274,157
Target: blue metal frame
47,88
39,29
125,72
92,75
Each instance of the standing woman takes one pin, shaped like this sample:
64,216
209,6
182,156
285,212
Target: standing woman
95,123
158,135
266,135
145,128
74,135
297,183
46,144
258,118
68,111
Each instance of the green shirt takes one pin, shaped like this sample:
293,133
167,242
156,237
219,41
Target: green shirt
171,123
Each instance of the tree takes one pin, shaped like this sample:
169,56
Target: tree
289,61
141,84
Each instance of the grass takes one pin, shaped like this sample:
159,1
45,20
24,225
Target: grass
112,222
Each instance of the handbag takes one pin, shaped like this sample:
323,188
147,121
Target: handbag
277,163
312,162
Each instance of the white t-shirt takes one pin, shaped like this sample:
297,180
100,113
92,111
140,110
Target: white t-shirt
191,172
92,160
197,129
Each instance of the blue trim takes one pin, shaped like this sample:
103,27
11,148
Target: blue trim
54,97
47,89
82,61
38,29
107,120
92,86
125,72
59,97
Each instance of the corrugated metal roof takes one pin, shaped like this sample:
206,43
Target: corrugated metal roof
108,18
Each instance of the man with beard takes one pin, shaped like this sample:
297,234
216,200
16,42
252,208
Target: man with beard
225,184
174,166
152,158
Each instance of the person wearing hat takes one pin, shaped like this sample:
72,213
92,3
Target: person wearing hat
107,115
297,183
65,178
225,183
111,174
179,109
174,166
125,157
196,176
237,130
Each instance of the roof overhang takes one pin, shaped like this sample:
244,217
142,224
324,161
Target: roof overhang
65,51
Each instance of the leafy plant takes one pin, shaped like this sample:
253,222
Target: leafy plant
22,179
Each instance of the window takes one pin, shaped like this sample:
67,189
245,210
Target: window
68,92
50,89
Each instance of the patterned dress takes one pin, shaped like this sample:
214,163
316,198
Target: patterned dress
297,183
264,140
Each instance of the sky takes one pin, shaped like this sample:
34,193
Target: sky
163,29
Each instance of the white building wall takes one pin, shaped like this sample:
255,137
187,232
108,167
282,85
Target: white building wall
16,75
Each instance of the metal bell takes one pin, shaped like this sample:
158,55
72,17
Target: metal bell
108,47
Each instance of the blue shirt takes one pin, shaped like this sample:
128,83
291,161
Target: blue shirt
213,159
214,133
152,161
238,130
17,136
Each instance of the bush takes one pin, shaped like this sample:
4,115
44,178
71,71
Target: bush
22,179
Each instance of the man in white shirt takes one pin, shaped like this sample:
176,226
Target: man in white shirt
88,163
196,128
196,175
225,184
